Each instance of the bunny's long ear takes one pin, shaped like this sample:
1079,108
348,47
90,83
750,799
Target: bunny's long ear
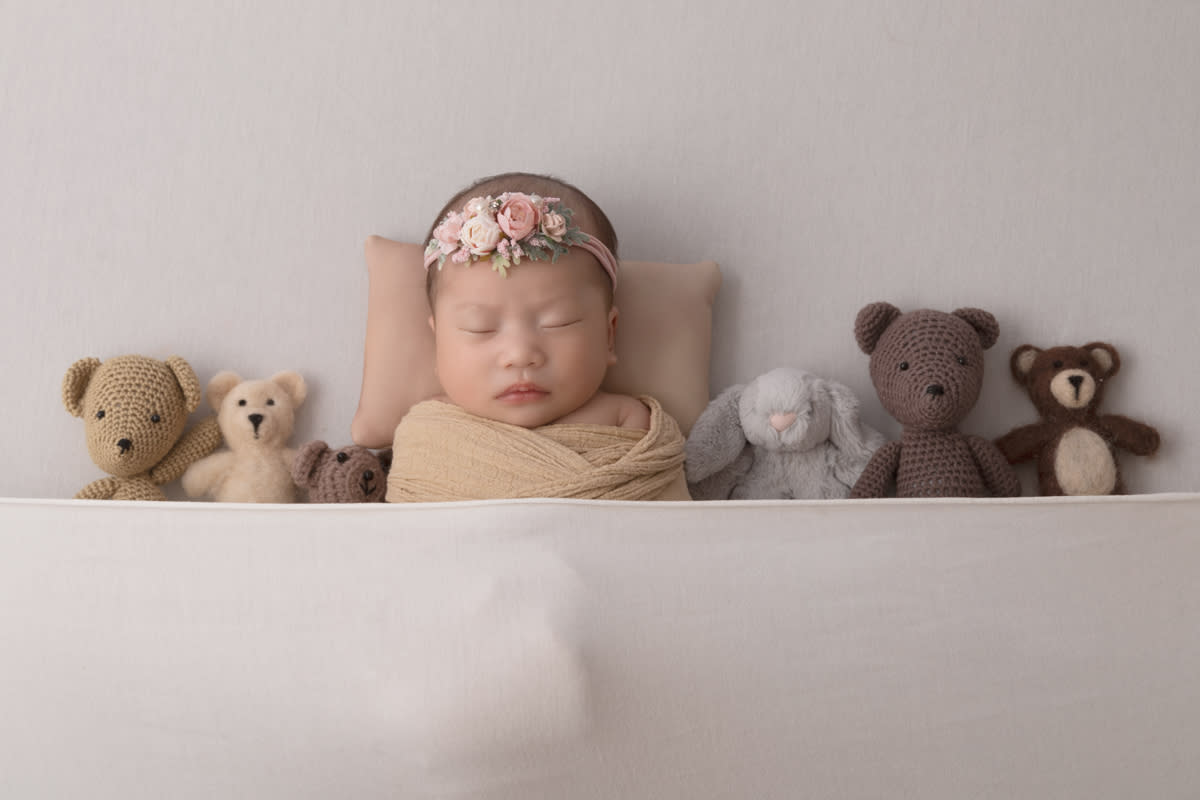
717,438
847,433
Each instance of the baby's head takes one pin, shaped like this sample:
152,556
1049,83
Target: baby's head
521,272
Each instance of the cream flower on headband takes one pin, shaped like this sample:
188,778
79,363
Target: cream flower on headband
506,229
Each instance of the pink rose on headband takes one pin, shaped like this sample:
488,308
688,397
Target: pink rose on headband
518,216
448,232
480,235
554,225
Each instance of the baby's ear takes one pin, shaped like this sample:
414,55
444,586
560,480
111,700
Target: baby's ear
612,335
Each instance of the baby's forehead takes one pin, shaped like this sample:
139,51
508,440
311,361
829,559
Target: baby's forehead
533,281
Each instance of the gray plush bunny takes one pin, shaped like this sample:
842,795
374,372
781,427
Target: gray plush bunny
787,434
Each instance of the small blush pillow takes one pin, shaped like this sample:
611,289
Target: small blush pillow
664,334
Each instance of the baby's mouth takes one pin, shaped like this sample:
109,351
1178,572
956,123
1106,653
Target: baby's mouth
522,393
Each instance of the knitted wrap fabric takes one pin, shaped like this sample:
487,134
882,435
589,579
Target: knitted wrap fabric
135,409
927,368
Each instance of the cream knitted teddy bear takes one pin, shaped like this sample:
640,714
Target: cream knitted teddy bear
256,419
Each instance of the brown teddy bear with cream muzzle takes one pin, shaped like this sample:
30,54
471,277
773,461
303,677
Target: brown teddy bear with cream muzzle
1075,445
927,367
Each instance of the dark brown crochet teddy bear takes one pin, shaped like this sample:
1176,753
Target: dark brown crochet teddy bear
927,367
1074,444
350,475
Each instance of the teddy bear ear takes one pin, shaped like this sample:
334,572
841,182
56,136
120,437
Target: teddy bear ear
871,322
293,384
1106,356
220,385
1021,362
75,383
187,381
385,459
984,324
306,462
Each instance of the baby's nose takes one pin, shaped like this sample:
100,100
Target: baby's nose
523,351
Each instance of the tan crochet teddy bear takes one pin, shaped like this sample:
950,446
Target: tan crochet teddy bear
135,409
256,418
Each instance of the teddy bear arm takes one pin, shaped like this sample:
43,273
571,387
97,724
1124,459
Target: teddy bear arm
194,445
879,473
1136,437
997,474
102,489
1025,442
206,475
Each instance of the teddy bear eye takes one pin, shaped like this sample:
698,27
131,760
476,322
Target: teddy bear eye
155,418
100,414
1058,365
342,458
270,402
903,366
962,360
241,402
1083,362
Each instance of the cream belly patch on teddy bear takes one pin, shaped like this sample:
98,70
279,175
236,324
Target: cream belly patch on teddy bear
1083,463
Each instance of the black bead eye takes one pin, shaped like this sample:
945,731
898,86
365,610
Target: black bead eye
342,458
155,418
270,402
1083,362
962,360
1058,365
903,366
100,414
241,402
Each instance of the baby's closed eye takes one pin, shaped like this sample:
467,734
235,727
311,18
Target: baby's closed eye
552,324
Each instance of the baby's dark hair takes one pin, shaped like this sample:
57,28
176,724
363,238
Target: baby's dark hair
589,216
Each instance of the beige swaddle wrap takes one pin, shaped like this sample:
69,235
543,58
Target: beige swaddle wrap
442,453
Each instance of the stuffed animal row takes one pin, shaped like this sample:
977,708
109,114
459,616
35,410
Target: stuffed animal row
135,410
789,434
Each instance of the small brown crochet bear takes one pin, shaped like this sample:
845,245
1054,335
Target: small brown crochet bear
927,367
1074,444
135,409
350,475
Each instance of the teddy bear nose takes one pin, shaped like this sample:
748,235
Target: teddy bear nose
256,420
780,422
1076,381
935,389
369,475
126,445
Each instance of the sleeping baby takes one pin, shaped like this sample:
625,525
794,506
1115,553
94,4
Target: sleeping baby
520,278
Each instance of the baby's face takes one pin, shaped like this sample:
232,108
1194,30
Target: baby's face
526,349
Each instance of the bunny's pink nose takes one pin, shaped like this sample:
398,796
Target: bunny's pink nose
780,422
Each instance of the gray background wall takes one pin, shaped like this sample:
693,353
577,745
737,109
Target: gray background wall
199,179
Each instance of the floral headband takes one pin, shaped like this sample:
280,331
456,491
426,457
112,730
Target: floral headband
509,228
